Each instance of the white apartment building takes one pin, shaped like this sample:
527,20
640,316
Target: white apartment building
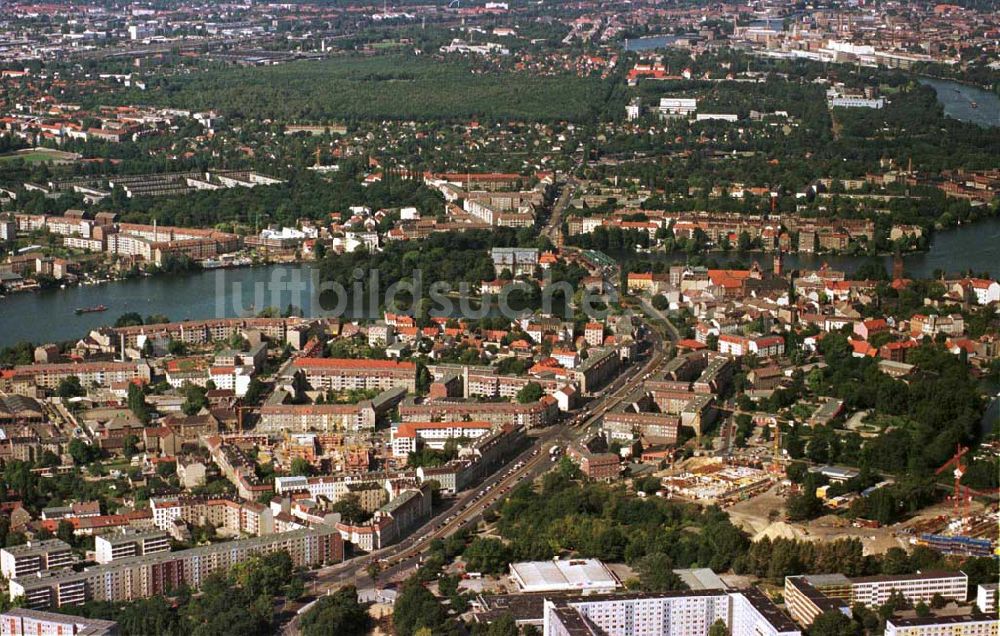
332,487
668,614
965,625
129,543
408,436
875,590
986,597
677,106
34,557
754,615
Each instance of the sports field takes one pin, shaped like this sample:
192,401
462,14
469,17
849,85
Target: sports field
40,155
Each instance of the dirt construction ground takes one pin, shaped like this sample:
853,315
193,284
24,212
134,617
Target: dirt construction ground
755,517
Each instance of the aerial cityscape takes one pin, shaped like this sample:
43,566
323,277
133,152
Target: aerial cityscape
499,318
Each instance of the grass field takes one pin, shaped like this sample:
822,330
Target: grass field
39,155
391,86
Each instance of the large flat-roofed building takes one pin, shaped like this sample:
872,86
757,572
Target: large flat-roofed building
746,612
35,556
986,597
667,614
341,374
26,622
922,586
599,367
677,106
151,575
808,596
683,613
753,614
129,543
581,575
964,625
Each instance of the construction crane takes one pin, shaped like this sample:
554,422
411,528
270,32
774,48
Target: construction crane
958,471
776,466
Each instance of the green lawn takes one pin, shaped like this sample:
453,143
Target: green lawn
395,86
36,156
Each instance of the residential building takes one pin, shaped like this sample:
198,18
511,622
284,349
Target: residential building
809,596
325,418
35,556
753,614
681,613
144,576
986,597
951,625
529,415
245,517
129,543
337,374
409,436
26,622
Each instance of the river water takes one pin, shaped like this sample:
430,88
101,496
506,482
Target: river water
958,100
48,316
651,42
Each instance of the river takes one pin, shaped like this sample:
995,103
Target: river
48,316
958,100
651,42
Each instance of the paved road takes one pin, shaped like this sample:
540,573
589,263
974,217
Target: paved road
466,509
554,224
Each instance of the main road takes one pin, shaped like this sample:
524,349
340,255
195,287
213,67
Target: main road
467,508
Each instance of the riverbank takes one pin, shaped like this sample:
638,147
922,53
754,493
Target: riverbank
47,315
964,102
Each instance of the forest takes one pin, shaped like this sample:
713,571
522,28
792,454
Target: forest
304,196
374,88
451,257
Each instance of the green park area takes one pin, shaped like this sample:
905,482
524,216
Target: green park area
383,87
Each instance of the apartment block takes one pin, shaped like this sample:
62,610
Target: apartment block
129,543
339,374
529,415
102,373
144,576
964,625
682,613
876,590
205,331
336,487
35,556
483,457
753,614
390,522
409,436
811,595
326,418
26,622
244,517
